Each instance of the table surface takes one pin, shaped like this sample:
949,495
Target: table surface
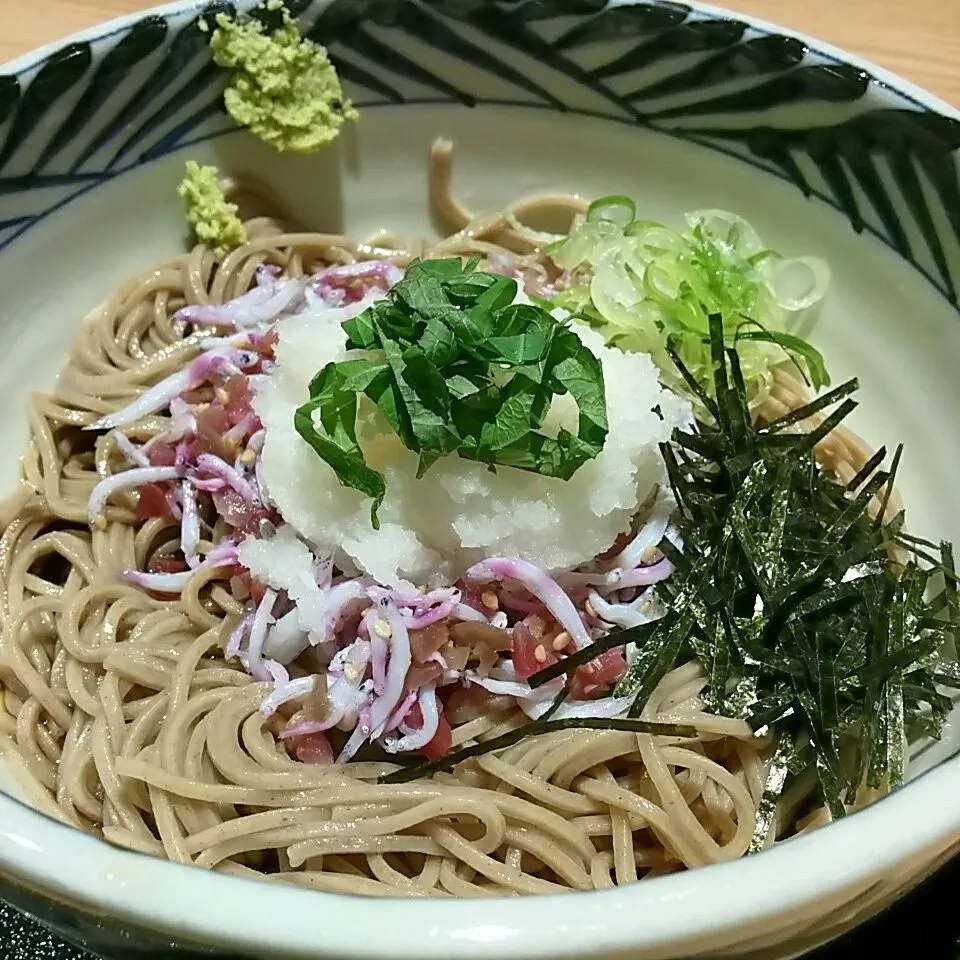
919,40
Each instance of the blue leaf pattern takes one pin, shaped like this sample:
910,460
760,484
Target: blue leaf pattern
710,79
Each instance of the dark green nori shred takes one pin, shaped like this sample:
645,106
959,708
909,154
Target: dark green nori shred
449,760
888,493
677,557
830,423
947,674
807,410
778,771
785,592
866,471
919,541
692,382
559,700
950,594
619,638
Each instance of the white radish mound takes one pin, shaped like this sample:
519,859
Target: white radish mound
433,528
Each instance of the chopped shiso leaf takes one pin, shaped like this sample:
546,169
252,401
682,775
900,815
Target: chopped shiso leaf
455,366
794,601
645,286
281,86
213,218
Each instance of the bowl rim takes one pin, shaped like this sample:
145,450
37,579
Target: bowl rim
686,911
677,912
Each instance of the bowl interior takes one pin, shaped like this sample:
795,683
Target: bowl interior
882,321
681,109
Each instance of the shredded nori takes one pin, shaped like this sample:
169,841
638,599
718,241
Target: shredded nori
449,760
790,594
787,594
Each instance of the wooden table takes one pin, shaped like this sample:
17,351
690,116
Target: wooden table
919,39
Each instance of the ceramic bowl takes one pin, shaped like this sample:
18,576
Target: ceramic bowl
683,107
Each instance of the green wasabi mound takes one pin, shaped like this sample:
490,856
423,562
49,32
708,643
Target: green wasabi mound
213,218
282,87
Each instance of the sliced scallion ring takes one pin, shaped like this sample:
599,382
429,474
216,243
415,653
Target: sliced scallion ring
799,283
727,228
619,210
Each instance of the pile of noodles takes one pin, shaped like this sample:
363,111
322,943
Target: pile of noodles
119,715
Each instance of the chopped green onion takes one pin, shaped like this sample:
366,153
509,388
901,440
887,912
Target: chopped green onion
644,286
619,210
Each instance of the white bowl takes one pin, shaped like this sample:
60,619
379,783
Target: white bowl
89,160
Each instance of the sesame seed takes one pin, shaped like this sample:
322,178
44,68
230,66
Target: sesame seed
490,600
648,553
101,522
382,629
267,528
351,671
588,606
248,456
540,654
561,640
645,606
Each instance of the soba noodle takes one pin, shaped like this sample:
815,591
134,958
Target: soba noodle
120,716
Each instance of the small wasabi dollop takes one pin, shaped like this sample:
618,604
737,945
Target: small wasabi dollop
213,218
282,87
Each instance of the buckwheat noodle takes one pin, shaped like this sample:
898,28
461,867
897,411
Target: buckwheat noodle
120,717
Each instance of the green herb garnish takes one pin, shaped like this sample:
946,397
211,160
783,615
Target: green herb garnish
455,366
786,593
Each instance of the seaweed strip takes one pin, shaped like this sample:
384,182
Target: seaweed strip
536,728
